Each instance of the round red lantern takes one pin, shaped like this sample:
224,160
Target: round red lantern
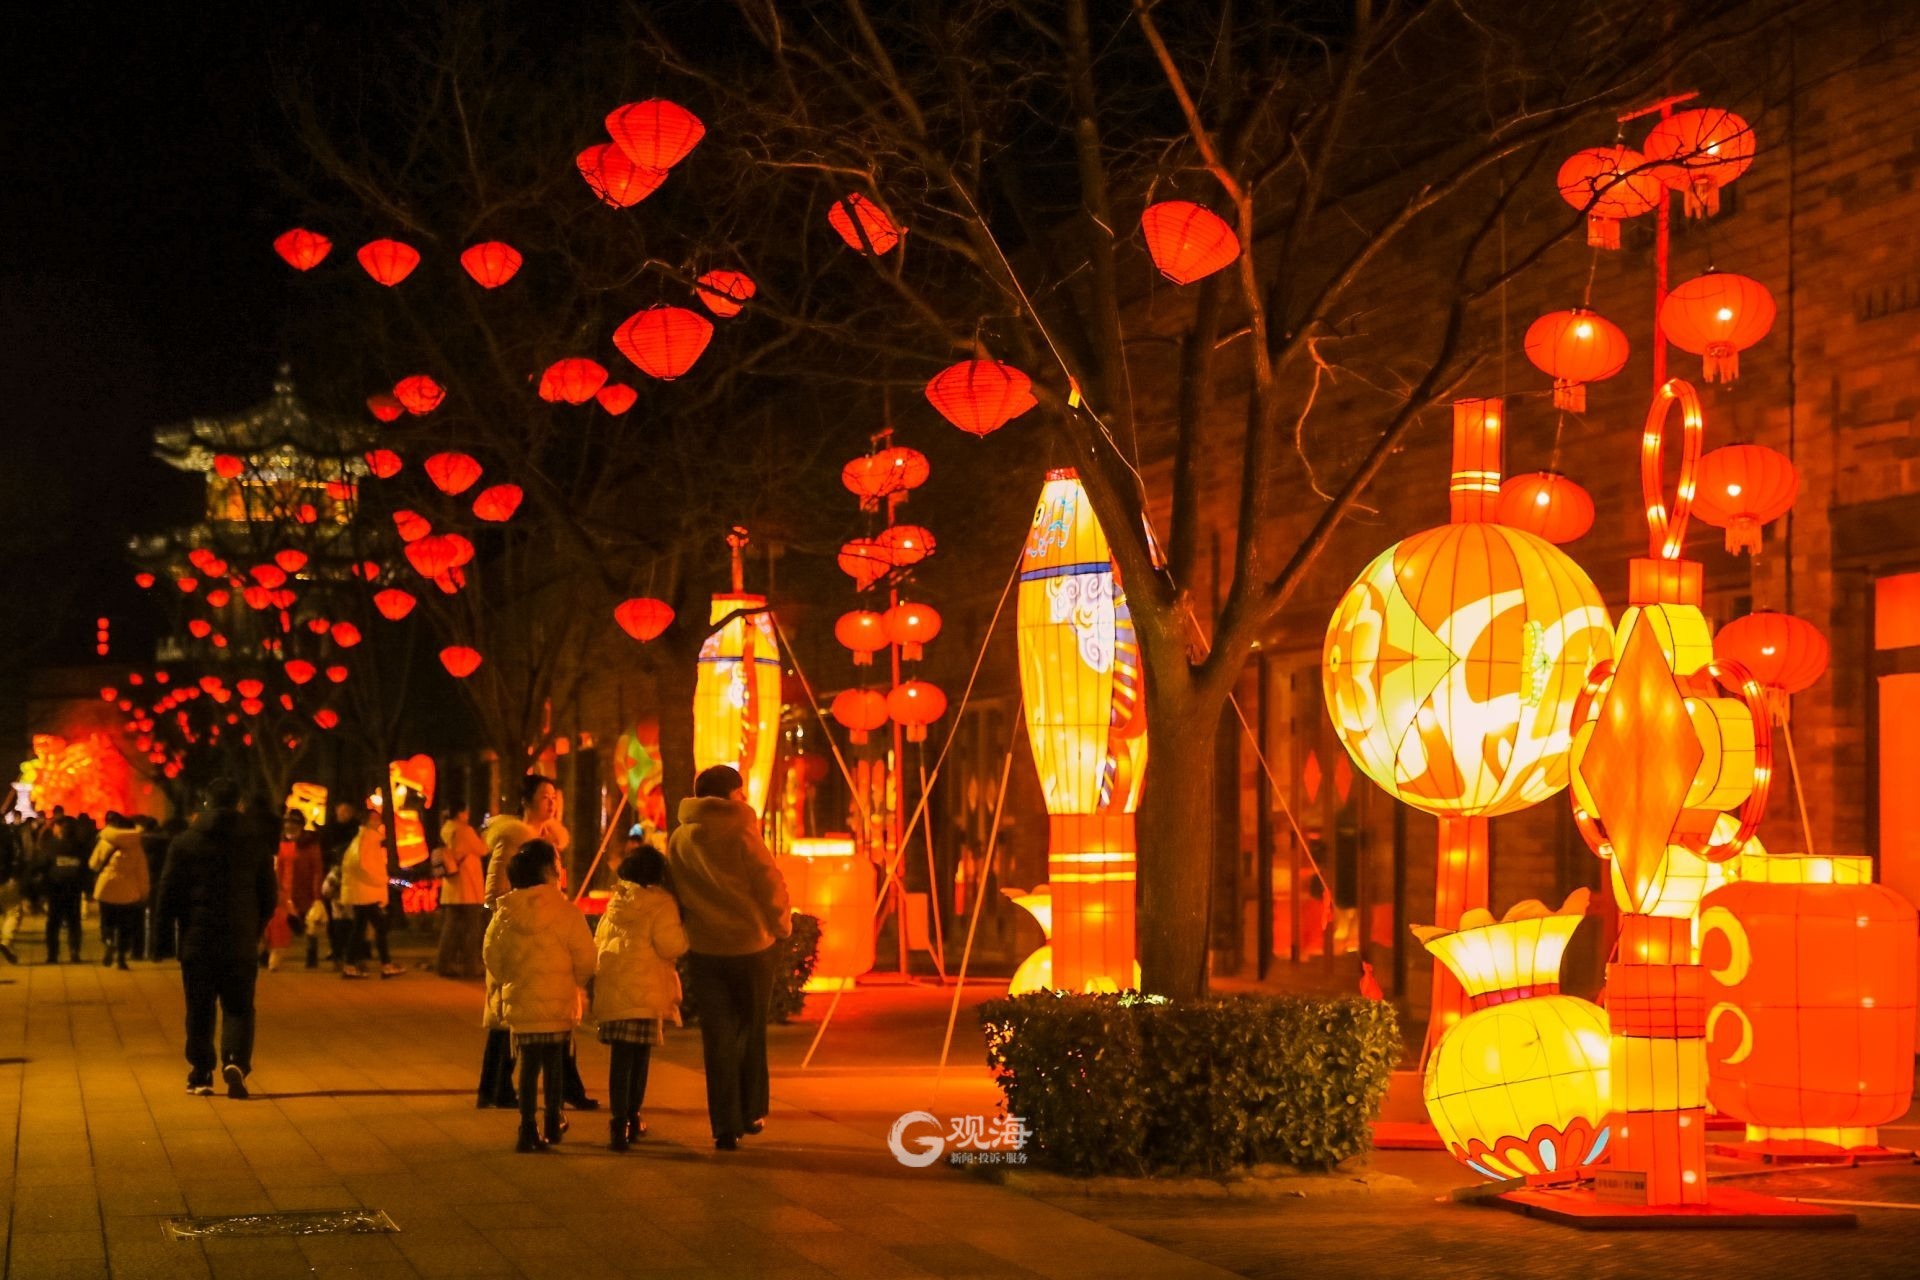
1575,347
980,396
863,224
299,670
326,717
1717,315
452,473
337,674
253,707
574,380
291,559
664,341
388,261
916,704
643,617
303,250
187,583
228,467
860,711
497,503
1188,241
912,626
1547,505
419,394
616,397
411,525
460,661
218,597
346,635
1698,152
393,603
199,628
617,180
491,263
725,292
905,545
250,688
143,580
865,561
889,471
862,631
436,555
257,598
1784,653
1740,487
384,463
1608,184
655,134
307,513
269,575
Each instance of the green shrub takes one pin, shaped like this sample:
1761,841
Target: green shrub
1137,1085
793,959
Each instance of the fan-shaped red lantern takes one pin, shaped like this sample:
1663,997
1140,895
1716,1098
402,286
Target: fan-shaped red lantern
452,473
1742,486
655,134
299,670
337,674
393,603
199,628
1188,241
664,341
217,598
303,250
228,467
1547,505
1717,315
307,513
863,632
388,261
643,617
1784,653
491,263
411,525
291,559
384,463
860,711
617,180
1698,152
109,693
905,545
1608,184
725,292
616,397
875,232
912,626
1575,347
346,635
257,597
893,470
340,490
143,580
384,407
419,394
497,503
574,380
865,561
268,575
434,555
253,707
460,661
980,396
250,688
326,717
916,704
319,626
187,583
280,599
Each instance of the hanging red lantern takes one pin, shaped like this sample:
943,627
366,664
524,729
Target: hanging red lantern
980,396
218,597
319,626
199,628
912,626
340,490
1608,184
916,704
865,561
268,575
655,134
616,397
574,380
250,688
228,467
1717,315
1188,241
109,694
326,717
875,232
291,559
905,545
863,632
301,249
617,180
307,513
1698,152
143,580
893,470
1575,347
491,263
860,711
664,341
299,670
393,603
337,673
256,597
388,261
1784,653
411,525
725,292
368,569
384,407
497,503
346,635
460,661
452,473
1547,505
437,555
643,617
1740,487
419,394
280,599
253,707
187,583
384,463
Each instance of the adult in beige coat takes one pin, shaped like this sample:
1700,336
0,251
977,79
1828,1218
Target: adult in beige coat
122,887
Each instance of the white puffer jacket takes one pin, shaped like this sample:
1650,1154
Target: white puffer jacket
539,953
363,870
639,938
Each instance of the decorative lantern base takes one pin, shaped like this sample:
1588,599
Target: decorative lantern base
1728,1208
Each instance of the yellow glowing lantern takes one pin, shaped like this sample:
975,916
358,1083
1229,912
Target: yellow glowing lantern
1086,720
410,779
309,799
828,880
1518,1088
736,697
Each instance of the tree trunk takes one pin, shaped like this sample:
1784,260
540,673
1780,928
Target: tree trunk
1175,827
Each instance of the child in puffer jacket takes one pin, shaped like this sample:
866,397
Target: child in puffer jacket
540,954
638,988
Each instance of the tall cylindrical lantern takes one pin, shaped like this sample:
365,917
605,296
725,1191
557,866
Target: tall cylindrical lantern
736,696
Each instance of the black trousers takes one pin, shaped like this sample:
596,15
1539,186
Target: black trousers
222,985
120,927
733,994
542,1063
364,918
63,910
627,1079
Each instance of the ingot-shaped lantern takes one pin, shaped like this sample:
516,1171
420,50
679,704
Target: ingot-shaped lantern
828,879
1086,719
1518,1088
411,781
736,695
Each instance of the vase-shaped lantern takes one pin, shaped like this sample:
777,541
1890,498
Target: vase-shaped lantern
1518,1087
736,696
830,880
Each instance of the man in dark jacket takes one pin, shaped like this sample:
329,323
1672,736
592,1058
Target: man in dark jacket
64,860
218,890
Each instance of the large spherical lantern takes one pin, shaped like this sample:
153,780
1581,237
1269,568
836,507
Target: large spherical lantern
574,380
452,472
491,263
1547,505
643,617
655,134
865,561
419,394
616,398
725,292
1698,152
1575,347
1717,316
664,341
860,711
1187,241
1608,184
912,626
345,634
496,503
905,545
1784,653
862,224
980,396
393,603
460,660
384,463
1740,487
303,250
228,467
388,261
916,704
888,471
616,180
862,631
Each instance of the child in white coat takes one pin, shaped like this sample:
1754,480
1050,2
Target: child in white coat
638,988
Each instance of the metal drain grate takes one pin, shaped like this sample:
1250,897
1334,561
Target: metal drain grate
310,1222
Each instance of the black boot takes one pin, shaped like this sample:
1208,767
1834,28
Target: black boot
618,1135
529,1139
555,1127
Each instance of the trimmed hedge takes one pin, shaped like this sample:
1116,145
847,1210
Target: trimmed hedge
793,958
1130,1084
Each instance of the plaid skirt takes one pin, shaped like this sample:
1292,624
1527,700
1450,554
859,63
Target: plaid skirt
634,1031
521,1039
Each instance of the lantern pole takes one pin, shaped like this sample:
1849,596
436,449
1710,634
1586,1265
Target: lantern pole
1662,238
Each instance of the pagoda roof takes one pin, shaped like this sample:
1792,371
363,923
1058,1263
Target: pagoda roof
278,433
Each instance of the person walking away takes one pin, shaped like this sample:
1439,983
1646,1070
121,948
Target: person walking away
13,897
636,988
364,890
539,810
121,889
463,858
297,864
157,839
218,891
540,954
65,863
736,906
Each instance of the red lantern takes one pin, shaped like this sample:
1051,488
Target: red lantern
664,341
393,603
905,545
346,635
307,513
250,688
860,711
574,380
617,180
980,396
319,626
253,707
368,569
916,704
1574,348
460,661
218,597
497,503
290,559
187,583
388,261
143,580
1784,653
452,473
1608,184
299,670
412,526
1698,152
303,250
256,597
1547,505
326,717
280,599
431,556
199,628
384,463
340,490
419,394
109,694
616,397
337,674
863,632
1188,241
1741,487
643,617
875,232
1717,315
228,467
269,575
889,471
655,134
725,292
491,263
912,626
865,561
